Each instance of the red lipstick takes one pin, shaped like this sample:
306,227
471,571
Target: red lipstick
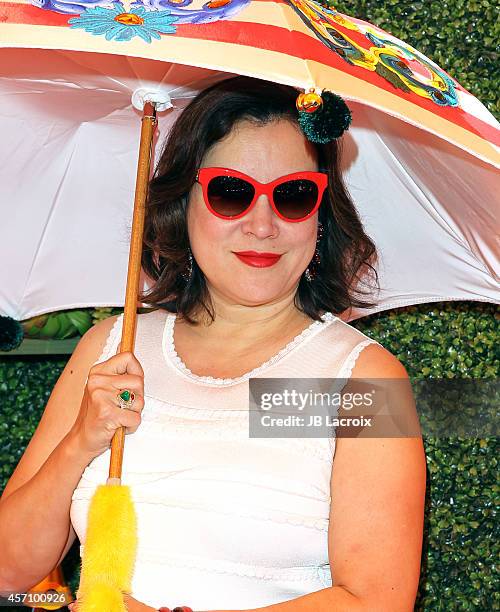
257,260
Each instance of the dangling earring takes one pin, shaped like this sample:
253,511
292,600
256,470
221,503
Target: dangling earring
312,269
188,271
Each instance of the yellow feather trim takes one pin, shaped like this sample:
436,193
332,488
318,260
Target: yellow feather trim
109,551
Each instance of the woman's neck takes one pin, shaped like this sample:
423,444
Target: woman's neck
243,325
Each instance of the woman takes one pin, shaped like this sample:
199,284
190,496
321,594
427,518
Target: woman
227,521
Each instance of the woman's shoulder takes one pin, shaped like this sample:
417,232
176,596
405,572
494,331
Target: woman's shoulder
106,332
152,321
369,358
97,339
152,314
97,335
113,323
375,361
342,331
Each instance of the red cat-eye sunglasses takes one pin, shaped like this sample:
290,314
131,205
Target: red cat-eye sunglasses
230,194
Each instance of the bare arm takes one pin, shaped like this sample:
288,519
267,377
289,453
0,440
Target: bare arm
377,509
35,528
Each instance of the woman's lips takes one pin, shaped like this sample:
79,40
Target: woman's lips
257,260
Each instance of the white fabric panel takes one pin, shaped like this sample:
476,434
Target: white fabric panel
431,208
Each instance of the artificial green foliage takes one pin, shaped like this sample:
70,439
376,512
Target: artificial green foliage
104,312
461,543
58,325
25,387
450,339
461,36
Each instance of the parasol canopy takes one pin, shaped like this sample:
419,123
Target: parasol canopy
420,158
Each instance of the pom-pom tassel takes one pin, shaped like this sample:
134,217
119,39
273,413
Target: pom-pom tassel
11,333
323,118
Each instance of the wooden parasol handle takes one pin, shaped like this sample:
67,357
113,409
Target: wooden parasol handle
134,269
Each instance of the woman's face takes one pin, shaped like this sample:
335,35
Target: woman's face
264,152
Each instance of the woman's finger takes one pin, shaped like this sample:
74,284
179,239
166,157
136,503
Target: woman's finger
121,363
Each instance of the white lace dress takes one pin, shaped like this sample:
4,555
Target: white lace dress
225,521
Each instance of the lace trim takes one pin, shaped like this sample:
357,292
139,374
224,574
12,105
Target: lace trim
292,574
348,365
172,356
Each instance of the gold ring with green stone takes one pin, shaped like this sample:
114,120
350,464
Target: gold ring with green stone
125,399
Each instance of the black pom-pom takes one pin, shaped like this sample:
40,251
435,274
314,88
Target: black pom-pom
11,333
328,122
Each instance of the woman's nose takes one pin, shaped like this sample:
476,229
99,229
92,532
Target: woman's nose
261,221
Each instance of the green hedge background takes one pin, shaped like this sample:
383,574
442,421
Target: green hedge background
454,340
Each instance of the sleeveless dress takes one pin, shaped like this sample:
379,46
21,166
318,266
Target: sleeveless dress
225,521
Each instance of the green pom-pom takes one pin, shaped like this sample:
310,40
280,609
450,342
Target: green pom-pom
11,333
328,122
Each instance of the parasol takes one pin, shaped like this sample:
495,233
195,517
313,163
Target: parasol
420,160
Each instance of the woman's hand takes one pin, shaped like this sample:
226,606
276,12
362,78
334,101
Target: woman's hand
132,605
100,415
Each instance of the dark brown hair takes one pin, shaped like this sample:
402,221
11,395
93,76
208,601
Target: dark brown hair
345,250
